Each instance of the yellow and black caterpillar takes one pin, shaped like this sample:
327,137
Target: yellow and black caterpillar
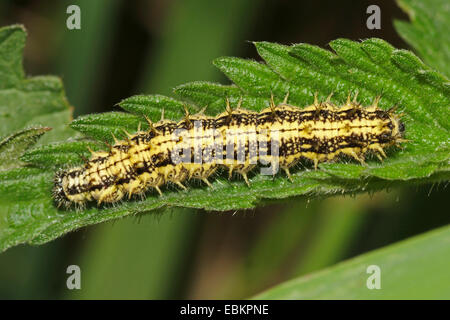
238,140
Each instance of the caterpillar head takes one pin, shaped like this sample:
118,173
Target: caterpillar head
398,126
397,129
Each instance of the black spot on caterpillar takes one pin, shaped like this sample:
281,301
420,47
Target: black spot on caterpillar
239,139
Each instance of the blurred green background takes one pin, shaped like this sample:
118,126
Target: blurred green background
132,47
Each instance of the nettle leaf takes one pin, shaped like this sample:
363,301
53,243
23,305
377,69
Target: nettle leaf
29,102
371,67
29,107
428,32
12,147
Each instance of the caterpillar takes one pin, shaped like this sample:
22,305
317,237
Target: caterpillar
237,139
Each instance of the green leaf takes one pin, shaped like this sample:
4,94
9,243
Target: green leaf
29,107
12,147
57,155
29,102
428,32
152,106
370,67
412,269
106,126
